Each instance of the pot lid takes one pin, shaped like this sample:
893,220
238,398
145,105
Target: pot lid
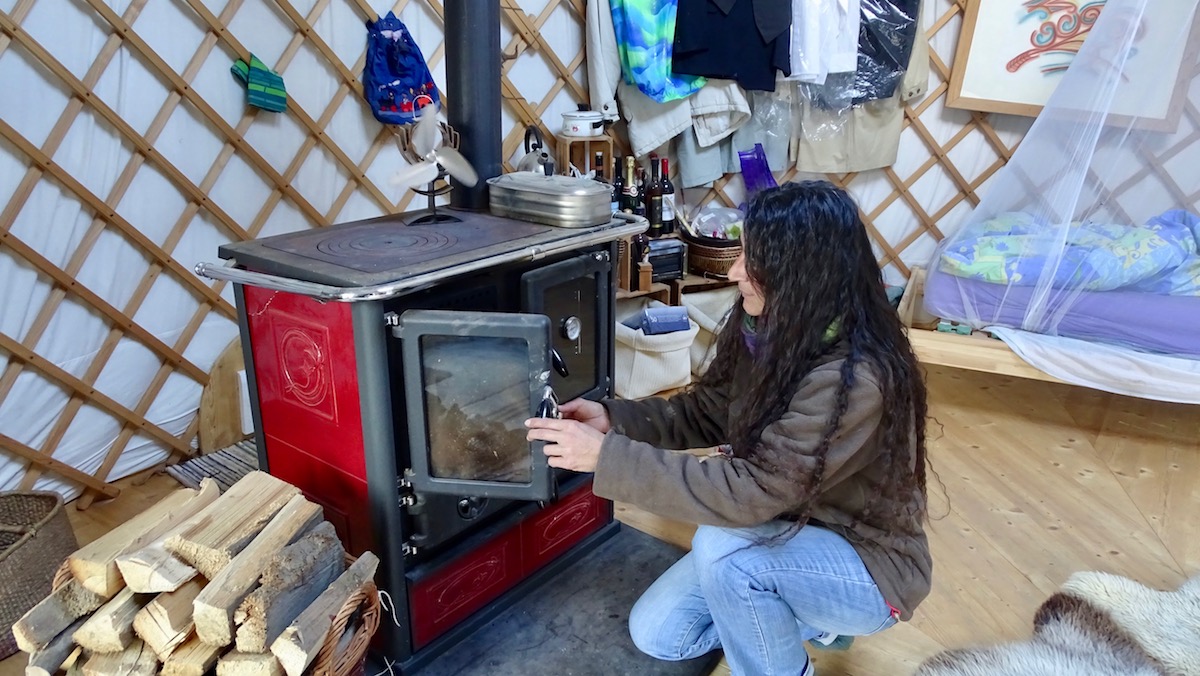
527,181
587,115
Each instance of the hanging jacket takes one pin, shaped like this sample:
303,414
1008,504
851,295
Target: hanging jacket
741,40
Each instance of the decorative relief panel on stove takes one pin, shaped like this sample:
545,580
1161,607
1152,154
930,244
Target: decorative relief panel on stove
564,524
468,584
304,364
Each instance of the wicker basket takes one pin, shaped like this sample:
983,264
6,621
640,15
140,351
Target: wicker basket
346,657
711,257
35,538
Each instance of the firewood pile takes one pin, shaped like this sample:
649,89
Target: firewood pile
249,583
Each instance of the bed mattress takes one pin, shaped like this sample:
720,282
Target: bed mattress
1146,321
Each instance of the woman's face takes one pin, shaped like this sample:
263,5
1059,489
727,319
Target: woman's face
752,299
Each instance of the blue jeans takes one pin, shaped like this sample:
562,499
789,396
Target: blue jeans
759,602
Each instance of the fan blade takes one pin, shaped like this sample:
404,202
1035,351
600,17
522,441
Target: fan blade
415,174
457,166
425,133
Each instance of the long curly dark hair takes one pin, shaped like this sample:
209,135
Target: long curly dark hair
807,250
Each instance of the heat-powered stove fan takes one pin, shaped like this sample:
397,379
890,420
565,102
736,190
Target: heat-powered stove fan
431,149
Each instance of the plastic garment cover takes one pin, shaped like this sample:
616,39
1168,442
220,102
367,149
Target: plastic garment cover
887,30
1091,230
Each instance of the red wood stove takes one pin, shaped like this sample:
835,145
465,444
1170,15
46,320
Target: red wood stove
391,365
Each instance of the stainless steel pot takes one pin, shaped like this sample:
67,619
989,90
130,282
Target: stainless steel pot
563,201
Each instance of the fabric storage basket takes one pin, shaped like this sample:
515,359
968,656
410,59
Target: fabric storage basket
707,309
35,538
646,365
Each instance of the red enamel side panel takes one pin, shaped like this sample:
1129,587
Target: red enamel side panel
467,584
304,365
551,532
448,597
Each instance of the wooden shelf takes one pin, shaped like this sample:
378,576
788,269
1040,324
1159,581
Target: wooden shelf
973,353
658,291
692,282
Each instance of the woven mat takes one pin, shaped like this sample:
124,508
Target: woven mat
225,466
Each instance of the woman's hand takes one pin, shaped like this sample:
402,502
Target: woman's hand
590,413
570,444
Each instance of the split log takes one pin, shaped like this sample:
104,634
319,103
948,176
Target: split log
46,662
299,644
110,629
193,658
165,622
214,607
136,660
53,615
95,564
151,569
292,580
211,538
249,664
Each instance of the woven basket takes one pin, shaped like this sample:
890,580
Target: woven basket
35,538
711,257
340,657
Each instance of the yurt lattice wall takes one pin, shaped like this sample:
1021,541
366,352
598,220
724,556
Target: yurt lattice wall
127,155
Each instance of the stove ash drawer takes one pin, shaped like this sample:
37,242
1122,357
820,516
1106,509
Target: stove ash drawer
441,600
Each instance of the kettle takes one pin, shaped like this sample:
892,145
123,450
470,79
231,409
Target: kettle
537,157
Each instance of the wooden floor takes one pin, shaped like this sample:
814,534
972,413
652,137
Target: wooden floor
1037,480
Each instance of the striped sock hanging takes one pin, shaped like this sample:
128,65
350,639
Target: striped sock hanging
264,87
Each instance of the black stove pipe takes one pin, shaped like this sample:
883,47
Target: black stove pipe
473,87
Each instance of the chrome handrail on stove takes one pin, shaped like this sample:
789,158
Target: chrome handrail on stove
352,294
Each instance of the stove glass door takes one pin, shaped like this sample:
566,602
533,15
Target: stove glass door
471,380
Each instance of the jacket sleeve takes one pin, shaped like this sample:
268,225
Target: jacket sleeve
603,59
738,491
693,419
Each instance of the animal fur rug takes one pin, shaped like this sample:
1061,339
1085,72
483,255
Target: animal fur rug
1097,625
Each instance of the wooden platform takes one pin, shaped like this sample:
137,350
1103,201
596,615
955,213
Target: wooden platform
1033,481
225,466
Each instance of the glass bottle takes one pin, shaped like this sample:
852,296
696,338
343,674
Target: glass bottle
629,194
668,199
654,200
618,185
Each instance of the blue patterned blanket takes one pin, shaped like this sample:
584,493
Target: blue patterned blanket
1015,249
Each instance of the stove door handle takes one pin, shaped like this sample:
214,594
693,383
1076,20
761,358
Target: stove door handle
559,363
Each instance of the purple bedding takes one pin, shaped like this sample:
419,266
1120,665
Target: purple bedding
1159,323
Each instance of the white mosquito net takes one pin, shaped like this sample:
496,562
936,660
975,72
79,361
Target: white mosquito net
1083,253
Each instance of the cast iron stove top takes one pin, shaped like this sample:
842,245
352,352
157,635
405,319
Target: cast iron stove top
388,249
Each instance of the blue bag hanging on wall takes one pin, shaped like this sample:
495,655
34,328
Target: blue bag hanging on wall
397,83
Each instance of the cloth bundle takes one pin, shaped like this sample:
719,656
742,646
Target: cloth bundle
264,87
1097,625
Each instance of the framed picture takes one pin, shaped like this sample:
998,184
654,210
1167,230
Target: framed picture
1012,54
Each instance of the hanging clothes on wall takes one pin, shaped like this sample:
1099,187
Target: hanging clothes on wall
714,112
887,33
824,38
645,34
867,135
741,40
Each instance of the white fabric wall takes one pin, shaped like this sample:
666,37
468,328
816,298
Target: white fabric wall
53,220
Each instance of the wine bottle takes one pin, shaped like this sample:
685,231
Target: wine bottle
654,201
639,199
629,194
668,199
618,184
